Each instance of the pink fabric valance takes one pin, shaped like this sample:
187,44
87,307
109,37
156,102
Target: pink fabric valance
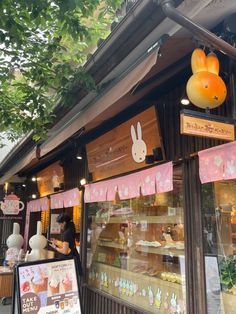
66,199
38,205
218,163
157,179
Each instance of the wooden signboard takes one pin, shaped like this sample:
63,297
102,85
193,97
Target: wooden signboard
198,126
50,179
124,148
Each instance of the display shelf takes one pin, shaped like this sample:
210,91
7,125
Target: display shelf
112,244
142,277
148,219
160,251
114,281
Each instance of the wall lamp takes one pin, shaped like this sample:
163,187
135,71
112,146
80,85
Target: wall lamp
79,155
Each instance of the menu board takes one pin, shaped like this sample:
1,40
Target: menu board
47,287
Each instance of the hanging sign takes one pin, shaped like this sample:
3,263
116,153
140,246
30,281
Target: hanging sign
199,126
125,147
11,205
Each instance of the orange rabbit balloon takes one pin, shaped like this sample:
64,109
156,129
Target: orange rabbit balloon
205,88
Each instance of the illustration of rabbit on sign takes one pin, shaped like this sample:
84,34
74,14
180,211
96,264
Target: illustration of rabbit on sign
139,147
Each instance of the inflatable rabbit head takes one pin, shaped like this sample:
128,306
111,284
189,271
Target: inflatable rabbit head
139,148
15,240
205,88
38,241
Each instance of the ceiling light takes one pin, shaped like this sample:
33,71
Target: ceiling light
24,185
34,179
34,196
79,154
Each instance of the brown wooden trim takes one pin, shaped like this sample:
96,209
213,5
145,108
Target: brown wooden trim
194,258
113,300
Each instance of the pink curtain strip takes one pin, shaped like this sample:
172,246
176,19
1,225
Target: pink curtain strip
66,199
158,179
218,163
38,205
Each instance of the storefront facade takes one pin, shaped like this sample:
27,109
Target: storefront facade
150,252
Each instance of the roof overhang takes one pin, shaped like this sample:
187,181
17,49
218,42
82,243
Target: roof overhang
88,114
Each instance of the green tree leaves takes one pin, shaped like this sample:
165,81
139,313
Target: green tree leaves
43,45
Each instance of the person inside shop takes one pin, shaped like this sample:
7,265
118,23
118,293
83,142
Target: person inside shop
67,245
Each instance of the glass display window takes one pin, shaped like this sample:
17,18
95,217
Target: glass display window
136,251
219,215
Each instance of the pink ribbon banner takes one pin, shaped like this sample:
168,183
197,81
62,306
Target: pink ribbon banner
158,179
218,163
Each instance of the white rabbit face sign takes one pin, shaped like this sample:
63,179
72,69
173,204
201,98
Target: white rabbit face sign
139,147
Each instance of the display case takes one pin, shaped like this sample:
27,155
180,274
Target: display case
136,250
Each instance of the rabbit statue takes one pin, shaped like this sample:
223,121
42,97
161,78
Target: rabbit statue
37,244
14,243
205,88
139,147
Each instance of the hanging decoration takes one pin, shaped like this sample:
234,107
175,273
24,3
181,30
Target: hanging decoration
218,163
205,88
158,179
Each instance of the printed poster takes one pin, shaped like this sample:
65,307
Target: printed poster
55,227
49,288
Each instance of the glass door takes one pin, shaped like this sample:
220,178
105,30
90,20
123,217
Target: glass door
219,215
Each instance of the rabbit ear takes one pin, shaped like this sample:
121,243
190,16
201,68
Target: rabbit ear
198,61
139,130
16,228
133,134
39,227
213,64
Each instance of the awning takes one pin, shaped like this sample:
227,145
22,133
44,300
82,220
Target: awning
108,99
158,179
218,163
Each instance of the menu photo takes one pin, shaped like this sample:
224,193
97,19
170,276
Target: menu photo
49,288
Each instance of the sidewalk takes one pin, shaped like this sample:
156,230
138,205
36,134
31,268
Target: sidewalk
5,309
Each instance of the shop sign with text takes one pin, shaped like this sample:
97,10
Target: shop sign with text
198,126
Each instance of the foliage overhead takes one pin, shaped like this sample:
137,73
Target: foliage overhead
43,46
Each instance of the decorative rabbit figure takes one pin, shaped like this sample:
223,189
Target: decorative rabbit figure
150,296
37,244
158,299
14,243
139,147
205,88
173,303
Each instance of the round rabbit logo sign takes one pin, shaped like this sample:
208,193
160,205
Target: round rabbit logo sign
205,88
139,147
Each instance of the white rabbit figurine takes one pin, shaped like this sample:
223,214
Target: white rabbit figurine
150,296
14,243
37,243
173,303
139,147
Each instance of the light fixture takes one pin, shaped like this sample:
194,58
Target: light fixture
79,154
83,181
34,179
185,101
24,185
34,196
6,186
